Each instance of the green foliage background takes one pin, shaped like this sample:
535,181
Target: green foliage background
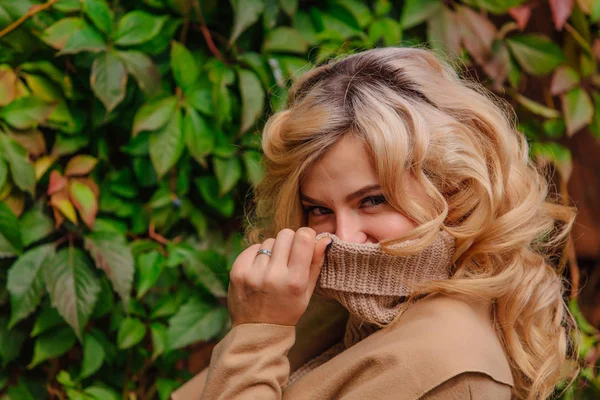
129,142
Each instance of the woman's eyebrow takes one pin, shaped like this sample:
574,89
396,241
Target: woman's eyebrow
350,197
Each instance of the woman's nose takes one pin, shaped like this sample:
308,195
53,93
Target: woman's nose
348,229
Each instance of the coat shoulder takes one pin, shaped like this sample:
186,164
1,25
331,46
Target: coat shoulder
442,337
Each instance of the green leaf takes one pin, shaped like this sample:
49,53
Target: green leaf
536,107
64,145
154,114
85,201
578,110
131,332
199,137
166,387
68,5
285,39
143,70
195,321
387,29
26,112
93,356
150,266
169,304
197,266
112,255
159,338
85,39
3,173
10,238
253,98
20,391
72,287
48,69
200,97
183,65
209,189
416,12
536,53
100,14
57,34
359,10
289,6
108,79
47,319
382,7
245,14
35,225
253,164
10,342
556,154
52,344
166,145
228,173
102,393
25,282
137,27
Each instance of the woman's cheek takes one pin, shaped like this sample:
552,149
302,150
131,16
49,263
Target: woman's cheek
389,225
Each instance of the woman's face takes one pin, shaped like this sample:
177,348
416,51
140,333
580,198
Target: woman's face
341,195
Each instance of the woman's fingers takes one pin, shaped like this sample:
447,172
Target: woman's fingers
262,260
281,249
301,255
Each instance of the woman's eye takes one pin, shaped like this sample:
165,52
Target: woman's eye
316,210
373,200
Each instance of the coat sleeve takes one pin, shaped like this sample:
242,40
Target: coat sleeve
250,362
471,386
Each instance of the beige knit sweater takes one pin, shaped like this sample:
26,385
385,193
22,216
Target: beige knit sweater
372,285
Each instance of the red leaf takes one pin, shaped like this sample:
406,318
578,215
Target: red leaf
80,165
521,15
498,66
561,11
564,79
57,182
478,34
8,81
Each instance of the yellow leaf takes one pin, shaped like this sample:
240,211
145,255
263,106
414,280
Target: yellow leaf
42,165
61,202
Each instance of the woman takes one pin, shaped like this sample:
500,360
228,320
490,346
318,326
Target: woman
405,194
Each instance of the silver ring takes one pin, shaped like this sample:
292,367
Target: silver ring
264,251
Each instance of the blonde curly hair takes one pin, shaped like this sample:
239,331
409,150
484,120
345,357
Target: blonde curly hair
460,142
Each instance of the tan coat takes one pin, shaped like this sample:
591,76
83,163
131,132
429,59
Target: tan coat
440,348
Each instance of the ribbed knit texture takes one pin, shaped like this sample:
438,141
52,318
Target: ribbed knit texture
372,285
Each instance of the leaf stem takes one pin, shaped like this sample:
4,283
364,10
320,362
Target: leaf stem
206,33
30,13
579,39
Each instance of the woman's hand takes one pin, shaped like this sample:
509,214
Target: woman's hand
276,289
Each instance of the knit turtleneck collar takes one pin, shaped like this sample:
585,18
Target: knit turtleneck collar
373,284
